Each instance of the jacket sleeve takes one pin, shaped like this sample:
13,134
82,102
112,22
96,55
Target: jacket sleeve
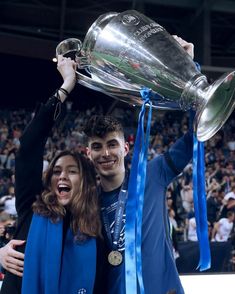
29,158
179,155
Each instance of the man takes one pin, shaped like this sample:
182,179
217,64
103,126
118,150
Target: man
107,149
213,206
223,228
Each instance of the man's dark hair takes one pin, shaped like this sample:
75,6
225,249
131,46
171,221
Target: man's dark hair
100,126
230,213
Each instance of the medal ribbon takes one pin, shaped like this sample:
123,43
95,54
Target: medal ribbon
199,198
134,207
122,196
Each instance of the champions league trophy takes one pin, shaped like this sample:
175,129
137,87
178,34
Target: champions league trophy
124,52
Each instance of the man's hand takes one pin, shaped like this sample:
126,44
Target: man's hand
12,260
188,47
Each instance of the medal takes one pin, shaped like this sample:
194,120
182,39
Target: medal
115,258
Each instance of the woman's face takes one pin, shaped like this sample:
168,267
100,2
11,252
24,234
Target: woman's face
65,180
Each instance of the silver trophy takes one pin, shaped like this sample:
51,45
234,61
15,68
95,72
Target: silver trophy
124,52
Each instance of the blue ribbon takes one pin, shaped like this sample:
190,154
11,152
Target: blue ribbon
134,207
199,197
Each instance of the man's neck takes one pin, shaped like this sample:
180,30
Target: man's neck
111,183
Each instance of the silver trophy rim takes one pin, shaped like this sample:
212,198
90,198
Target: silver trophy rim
94,30
205,133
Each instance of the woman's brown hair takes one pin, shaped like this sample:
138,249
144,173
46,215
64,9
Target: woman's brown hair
84,207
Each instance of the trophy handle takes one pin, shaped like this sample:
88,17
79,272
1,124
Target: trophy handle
69,48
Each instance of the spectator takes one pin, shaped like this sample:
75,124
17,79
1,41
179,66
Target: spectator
187,196
174,229
8,202
213,206
192,231
5,220
223,228
229,195
230,206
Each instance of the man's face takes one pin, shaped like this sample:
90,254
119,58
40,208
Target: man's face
108,154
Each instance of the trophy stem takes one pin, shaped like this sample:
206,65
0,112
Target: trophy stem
216,106
193,95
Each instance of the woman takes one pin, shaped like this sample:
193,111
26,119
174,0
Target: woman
61,221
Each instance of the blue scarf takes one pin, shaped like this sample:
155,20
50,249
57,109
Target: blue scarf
50,267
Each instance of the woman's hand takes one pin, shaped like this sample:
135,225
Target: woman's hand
67,67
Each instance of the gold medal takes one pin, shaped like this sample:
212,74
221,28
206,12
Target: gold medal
115,258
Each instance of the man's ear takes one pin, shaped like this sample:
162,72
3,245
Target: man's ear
127,148
88,152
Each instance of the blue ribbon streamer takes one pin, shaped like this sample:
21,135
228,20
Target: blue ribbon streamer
199,197
134,207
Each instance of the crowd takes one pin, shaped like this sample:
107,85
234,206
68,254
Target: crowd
166,128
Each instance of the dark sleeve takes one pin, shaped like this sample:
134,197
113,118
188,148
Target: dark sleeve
180,154
29,158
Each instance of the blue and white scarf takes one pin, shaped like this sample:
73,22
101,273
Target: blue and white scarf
50,267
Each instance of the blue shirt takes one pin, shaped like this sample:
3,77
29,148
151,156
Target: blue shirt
159,270
115,281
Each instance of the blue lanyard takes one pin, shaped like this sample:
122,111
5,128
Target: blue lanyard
199,197
122,196
134,208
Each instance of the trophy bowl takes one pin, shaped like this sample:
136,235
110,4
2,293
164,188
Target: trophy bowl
124,52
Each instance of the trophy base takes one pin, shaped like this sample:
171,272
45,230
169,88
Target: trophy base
219,104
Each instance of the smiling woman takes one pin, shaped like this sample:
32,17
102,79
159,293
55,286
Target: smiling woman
59,217
69,183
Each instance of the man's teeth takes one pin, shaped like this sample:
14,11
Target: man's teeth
107,163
